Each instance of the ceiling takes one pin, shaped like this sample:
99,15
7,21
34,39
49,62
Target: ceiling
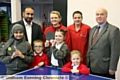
37,1
31,1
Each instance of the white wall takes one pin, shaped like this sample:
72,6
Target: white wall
15,10
118,71
88,8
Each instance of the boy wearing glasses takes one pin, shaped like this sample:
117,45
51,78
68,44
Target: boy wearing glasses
40,58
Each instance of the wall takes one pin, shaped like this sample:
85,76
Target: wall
61,6
88,8
118,71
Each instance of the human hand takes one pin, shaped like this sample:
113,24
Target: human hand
47,43
74,71
18,53
111,72
36,66
41,64
13,55
53,42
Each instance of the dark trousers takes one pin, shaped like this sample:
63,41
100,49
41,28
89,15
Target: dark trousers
104,75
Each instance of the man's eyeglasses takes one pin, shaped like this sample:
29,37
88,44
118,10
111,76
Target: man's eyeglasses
38,46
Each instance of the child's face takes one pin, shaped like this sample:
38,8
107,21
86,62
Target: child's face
19,34
75,59
38,47
59,37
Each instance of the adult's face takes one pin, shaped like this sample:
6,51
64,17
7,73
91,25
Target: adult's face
101,16
55,19
77,18
28,14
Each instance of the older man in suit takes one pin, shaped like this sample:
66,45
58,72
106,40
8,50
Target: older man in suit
103,53
32,30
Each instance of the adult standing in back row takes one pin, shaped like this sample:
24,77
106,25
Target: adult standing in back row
103,52
55,19
79,35
32,30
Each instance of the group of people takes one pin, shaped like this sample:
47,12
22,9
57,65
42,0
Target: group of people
76,48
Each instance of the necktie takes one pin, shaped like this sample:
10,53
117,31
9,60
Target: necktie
95,35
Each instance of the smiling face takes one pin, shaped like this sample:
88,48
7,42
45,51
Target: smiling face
28,14
77,18
101,16
75,59
59,37
55,18
38,47
18,34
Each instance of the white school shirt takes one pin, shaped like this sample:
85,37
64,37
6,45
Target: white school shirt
37,54
53,60
75,66
28,30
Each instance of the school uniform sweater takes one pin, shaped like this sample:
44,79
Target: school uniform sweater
82,68
39,58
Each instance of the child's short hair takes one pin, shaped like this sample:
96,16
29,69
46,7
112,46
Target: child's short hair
76,52
62,31
38,41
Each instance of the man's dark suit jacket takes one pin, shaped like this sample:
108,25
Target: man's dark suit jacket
36,31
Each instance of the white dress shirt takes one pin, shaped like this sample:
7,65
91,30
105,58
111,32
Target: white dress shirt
28,31
75,66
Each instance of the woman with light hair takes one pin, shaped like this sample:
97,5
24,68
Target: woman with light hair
55,19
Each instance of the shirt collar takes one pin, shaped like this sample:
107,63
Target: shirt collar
75,65
81,26
26,24
58,27
102,25
60,44
38,54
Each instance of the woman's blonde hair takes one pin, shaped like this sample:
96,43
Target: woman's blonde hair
58,13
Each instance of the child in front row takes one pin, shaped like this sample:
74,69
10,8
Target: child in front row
75,66
58,52
40,58
17,52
